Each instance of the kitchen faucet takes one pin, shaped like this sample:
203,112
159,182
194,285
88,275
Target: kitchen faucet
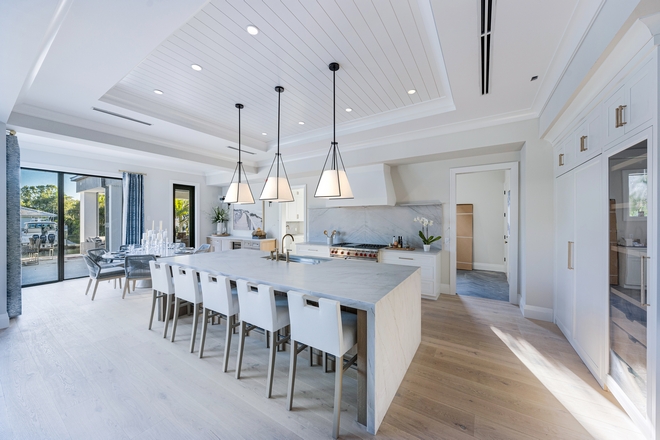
287,250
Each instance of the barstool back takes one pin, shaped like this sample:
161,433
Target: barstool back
187,287
317,322
161,277
217,294
258,307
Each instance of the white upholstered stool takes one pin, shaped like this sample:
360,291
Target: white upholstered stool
187,289
259,309
163,287
320,323
219,299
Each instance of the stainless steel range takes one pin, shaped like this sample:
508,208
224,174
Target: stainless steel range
356,251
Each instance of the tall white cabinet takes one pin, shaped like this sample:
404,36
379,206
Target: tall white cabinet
606,192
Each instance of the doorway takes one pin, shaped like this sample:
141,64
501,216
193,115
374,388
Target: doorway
483,239
184,214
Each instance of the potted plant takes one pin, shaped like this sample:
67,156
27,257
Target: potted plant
424,233
219,216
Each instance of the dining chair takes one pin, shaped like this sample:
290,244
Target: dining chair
187,289
162,284
320,323
203,249
98,273
259,309
136,267
219,300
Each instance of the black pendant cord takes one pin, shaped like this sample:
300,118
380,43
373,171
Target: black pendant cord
334,121
240,164
279,99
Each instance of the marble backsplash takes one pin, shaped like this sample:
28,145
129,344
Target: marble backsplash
374,224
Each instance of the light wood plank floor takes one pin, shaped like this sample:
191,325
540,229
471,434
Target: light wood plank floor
72,368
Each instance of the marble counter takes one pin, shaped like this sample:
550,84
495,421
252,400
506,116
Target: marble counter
387,298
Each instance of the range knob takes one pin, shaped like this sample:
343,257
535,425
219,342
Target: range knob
342,252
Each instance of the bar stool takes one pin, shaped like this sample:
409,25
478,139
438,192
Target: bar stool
163,287
259,309
187,289
320,323
219,300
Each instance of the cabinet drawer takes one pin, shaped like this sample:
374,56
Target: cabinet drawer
407,260
318,251
251,245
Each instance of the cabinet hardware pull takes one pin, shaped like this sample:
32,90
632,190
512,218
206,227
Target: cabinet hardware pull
561,160
617,112
642,298
404,258
621,115
583,144
570,255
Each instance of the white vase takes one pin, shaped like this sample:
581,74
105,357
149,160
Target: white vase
427,247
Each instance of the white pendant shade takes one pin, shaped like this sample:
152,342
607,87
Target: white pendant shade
334,185
277,189
239,194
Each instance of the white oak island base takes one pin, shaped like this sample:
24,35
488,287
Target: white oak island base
388,296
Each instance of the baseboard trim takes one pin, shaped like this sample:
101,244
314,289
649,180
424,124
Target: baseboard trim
489,267
534,312
4,320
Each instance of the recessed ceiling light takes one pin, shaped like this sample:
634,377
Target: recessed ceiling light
196,67
158,92
252,30
534,78
412,91
264,134
301,123
349,109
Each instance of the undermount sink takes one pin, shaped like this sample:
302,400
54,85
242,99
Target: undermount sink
301,259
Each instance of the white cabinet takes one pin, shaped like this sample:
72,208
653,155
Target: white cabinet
580,266
631,105
295,211
564,252
564,156
265,244
582,144
221,244
429,262
216,243
314,250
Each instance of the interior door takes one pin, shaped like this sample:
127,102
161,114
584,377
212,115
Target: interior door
629,189
464,236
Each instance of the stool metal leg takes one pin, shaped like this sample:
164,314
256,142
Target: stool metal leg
194,329
230,329
177,304
204,326
271,363
339,375
241,346
168,311
292,374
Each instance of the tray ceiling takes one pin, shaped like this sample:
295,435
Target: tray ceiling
384,48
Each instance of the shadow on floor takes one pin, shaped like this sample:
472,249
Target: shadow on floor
482,284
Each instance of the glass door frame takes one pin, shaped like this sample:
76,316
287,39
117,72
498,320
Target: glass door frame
646,422
192,207
61,250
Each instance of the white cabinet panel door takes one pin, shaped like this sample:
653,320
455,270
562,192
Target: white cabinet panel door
590,221
565,252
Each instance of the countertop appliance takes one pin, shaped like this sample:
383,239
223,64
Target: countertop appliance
356,251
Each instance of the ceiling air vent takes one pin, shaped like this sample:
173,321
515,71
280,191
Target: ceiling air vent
128,118
487,10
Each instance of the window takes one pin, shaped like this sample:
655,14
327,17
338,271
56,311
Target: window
636,186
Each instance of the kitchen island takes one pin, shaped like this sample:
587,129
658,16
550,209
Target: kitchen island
387,299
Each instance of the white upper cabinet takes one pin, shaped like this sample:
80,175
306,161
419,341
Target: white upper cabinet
295,211
564,156
630,106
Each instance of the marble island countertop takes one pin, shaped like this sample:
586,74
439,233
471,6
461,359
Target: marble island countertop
359,284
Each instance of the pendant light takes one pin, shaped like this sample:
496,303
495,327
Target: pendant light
333,183
277,188
239,192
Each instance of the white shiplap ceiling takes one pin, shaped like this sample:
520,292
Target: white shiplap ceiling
383,47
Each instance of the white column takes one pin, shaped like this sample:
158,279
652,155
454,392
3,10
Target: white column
89,215
113,207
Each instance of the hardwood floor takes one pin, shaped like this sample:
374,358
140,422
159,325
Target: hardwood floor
72,368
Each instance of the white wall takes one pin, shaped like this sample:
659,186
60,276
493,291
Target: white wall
157,186
484,191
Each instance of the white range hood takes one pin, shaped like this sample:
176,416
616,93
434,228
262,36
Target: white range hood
371,185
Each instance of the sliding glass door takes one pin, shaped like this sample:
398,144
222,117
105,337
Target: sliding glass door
62,217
